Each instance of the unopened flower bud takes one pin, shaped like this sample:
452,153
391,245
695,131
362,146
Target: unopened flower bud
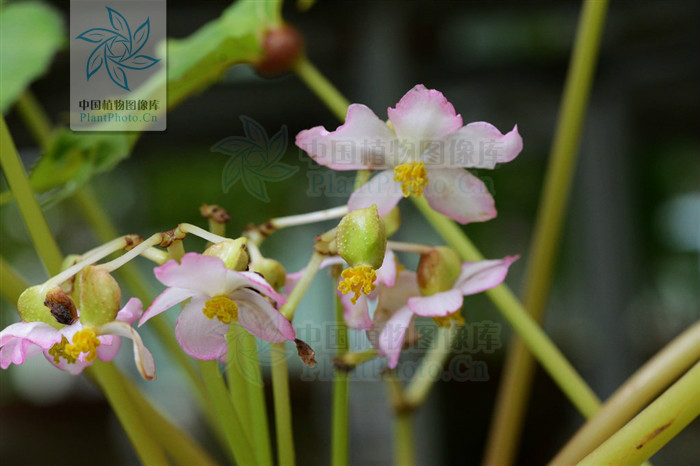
31,308
98,295
271,270
283,46
234,253
392,221
438,270
361,238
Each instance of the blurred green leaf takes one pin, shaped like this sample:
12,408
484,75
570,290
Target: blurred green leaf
30,35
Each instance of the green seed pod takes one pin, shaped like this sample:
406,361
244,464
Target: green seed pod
438,270
98,296
234,253
361,238
31,308
271,270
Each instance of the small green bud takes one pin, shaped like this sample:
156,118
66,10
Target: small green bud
234,253
392,221
361,238
31,308
98,295
271,270
438,270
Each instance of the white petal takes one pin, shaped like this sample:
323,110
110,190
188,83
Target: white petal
206,274
381,190
142,357
481,145
460,195
259,318
423,115
167,299
200,337
437,305
483,275
391,338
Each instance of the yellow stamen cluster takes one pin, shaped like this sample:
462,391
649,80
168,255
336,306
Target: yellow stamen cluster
359,279
221,307
446,321
84,341
413,178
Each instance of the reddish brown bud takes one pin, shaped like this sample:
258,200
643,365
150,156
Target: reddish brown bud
283,46
306,353
61,306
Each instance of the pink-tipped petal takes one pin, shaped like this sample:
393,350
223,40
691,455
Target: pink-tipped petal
142,357
200,337
109,347
481,145
459,195
391,338
381,190
356,315
131,312
437,305
423,115
259,284
195,272
386,274
167,299
259,318
294,277
23,339
363,141
483,275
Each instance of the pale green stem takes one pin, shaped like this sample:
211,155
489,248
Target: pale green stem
409,247
323,88
653,377
256,398
11,284
352,360
236,435
17,179
516,382
302,286
404,449
305,219
556,365
204,234
217,228
34,118
654,427
283,408
179,446
149,452
237,383
340,435
176,250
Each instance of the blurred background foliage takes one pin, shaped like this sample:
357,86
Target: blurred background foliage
627,279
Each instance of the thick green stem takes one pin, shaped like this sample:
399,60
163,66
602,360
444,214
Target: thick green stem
553,361
34,117
665,367
237,383
516,383
283,408
11,284
323,88
404,443
654,427
17,179
258,409
236,435
149,452
340,419
302,286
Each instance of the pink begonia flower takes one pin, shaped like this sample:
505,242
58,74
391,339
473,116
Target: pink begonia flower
73,347
218,296
421,151
401,305
356,315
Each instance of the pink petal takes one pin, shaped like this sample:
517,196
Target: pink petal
142,357
109,347
131,312
459,195
437,305
74,368
356,315
259,284
381,190
23,339
364,141
259,318
391,338
294,277
166,300
206,274
483,275
387,272
423,115
199,336
482,145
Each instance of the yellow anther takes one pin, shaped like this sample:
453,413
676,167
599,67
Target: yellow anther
221,307
58,352
359,279
413,178
84,341
446,321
